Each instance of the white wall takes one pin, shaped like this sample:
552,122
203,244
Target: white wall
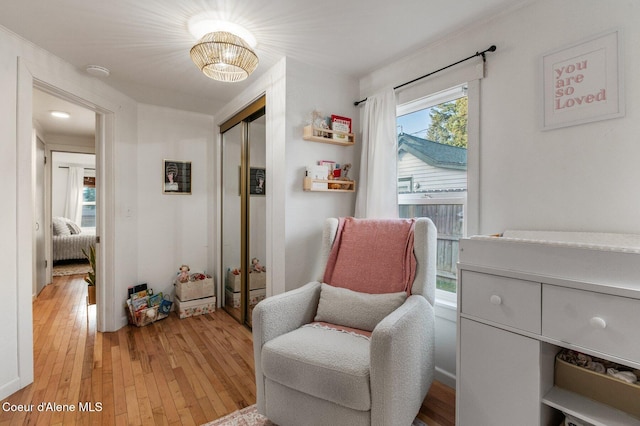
577,178
172,229
537,179
310,88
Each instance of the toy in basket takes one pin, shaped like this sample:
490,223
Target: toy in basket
193,286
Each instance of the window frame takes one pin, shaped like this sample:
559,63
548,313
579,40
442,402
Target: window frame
88,182
430,96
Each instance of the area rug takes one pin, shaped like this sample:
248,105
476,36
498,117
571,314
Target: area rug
249,416
70,269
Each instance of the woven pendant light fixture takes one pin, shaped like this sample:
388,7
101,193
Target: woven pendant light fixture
224,56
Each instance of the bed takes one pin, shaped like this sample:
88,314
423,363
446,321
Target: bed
69,240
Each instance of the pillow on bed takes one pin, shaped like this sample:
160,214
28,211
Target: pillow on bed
60,226
73,228
350,308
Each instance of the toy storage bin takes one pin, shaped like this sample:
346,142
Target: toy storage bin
194,289
599,387
190,308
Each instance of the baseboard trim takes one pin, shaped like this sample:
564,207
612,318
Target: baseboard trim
445,377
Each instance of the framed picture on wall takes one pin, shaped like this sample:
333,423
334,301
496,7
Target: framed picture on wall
582,83
257,181
177,177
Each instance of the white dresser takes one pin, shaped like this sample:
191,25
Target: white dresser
525,296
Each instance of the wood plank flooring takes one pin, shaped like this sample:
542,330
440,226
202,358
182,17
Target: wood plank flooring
173,372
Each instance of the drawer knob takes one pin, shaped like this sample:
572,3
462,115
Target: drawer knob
597,322
495,300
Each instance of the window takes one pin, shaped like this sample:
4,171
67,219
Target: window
89,203
432,173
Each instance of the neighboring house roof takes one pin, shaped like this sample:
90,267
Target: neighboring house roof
433,153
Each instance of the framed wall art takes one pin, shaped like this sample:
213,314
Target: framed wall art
257,181
177,177
583,82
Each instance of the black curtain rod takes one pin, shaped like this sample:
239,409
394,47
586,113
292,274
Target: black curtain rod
484,59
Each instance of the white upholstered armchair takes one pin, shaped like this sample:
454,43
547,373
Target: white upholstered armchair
310,373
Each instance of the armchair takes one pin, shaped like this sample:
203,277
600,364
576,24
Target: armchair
326,375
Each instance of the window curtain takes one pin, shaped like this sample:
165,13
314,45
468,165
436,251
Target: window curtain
73,206
378,189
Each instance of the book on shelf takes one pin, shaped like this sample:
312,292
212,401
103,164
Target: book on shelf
340,124
321,172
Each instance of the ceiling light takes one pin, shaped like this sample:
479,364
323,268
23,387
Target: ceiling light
97,71
224,56
60,114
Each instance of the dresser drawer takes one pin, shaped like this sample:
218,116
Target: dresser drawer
608,324
508,301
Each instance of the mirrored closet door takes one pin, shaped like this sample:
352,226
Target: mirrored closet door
244,193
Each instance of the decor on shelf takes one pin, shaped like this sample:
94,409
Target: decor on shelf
177,177
91,276
328,176
224,56
318,134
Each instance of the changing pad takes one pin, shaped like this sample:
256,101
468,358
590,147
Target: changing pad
629,243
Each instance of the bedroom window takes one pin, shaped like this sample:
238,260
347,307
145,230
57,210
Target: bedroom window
89,203
432,173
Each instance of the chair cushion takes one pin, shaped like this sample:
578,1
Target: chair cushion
327,364
354,309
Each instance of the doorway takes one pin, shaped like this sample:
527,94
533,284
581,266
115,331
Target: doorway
40,261
73,204
42,78
68,133
244,194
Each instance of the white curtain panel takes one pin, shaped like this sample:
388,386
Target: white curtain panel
75,183
378,189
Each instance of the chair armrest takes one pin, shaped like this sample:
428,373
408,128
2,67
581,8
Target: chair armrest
284,312
402,362
277,315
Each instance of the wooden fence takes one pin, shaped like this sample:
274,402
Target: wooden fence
448,219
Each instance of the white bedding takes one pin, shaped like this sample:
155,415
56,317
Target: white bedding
67,247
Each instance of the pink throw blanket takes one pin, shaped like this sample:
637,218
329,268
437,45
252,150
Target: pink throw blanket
372,256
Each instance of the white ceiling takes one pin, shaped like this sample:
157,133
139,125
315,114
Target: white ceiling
145,43
81,122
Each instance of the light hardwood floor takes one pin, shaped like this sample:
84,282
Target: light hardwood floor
173,372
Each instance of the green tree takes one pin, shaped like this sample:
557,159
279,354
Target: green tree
449,123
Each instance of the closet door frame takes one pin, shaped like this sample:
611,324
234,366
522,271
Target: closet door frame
243,118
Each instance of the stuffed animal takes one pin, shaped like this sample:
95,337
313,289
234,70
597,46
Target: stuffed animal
345,171
183,277
255,263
